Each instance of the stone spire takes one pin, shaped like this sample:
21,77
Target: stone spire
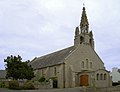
82,34
84,25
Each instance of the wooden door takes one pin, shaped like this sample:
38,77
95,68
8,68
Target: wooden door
84,80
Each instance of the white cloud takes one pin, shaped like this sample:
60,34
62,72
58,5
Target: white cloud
29,27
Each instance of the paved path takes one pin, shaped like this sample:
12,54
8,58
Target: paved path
45,90
6,90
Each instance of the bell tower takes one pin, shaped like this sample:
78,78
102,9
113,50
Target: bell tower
82,33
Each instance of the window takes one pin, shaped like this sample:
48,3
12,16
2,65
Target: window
55,72
81,40
90,42
82,64
97,76
90,64
101,76
42,72
86,63
105,76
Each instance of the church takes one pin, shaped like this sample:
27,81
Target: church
75,66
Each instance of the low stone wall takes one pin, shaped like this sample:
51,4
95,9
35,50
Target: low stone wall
110,89
43,85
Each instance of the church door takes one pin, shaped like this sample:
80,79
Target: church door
55,83
84,80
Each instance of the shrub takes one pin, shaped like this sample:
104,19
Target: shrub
47,80
28,85
42,79
2,84
115,83
14,84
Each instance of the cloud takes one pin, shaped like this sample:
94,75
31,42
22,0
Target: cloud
33,28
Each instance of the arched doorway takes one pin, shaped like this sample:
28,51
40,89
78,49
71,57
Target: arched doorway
55,83
84,80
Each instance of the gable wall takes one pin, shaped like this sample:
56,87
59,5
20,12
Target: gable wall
73,63
86,54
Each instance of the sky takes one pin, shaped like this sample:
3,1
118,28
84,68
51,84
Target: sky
33,28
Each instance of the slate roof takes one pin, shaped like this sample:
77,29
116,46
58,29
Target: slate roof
51,59
2,74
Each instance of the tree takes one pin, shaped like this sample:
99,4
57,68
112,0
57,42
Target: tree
17,69
27,71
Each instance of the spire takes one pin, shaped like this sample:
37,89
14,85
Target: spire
82,34
84,25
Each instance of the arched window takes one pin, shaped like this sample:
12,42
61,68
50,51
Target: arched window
101,76
55,71
90,64
86,63
105,76
81,40
42,71
82,64
97,76
90,42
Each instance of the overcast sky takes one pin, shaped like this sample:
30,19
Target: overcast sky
31,28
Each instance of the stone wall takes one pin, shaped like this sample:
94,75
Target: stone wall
109,89
43,85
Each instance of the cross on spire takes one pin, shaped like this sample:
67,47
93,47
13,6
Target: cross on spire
83,5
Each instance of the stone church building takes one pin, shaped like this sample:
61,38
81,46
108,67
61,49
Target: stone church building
75,66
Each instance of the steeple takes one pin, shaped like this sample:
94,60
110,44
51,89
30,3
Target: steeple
82,34
84,25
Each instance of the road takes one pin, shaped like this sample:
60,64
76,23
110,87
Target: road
77,89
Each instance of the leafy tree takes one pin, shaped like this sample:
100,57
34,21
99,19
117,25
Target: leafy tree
17,69
27,71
